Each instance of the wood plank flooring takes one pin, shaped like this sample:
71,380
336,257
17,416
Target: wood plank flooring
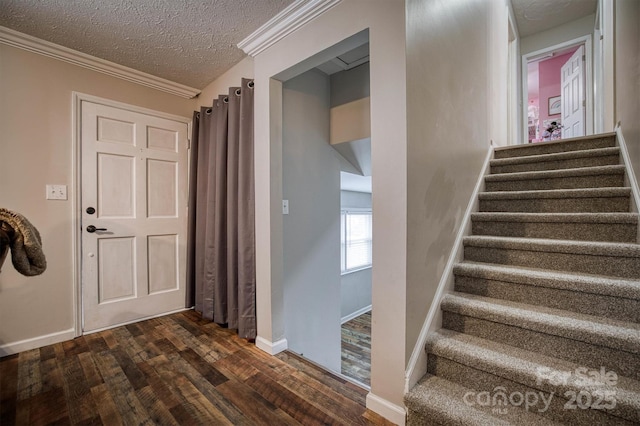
173,370
356,348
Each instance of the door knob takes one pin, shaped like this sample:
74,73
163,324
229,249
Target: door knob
92,229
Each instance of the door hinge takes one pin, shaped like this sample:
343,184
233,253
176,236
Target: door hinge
584,103
584,57
188,143
601,37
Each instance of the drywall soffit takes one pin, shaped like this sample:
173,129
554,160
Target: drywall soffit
284,23
52,50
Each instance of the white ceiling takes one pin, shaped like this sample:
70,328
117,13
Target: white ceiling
186,41
534,16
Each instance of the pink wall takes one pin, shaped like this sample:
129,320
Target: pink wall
549,84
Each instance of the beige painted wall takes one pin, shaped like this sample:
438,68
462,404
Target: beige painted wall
385,21
456,104
627,76
35,150
231,78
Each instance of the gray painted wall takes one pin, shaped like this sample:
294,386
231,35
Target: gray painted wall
348,86
355,286
311,230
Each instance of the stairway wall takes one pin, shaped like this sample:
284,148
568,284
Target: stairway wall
453,107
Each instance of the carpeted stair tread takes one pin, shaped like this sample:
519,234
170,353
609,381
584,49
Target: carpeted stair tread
574,144
591,257
571,159
593,248
612,227
556,193
595,200
555,174
571,325
587,283
440,401
583,293
546,174
594,218
530,369
584,177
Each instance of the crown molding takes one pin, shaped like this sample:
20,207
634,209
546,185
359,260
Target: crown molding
33,44
284,23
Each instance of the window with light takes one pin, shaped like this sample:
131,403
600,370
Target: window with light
356,240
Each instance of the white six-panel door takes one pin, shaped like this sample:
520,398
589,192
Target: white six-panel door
134,175
573,95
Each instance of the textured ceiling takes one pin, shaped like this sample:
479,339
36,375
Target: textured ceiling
534,16
186,41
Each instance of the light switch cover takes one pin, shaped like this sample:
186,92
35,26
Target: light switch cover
56,192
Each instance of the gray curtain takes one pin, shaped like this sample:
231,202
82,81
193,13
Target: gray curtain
221,253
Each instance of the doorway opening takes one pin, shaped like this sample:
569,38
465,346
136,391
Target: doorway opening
558,92
326,187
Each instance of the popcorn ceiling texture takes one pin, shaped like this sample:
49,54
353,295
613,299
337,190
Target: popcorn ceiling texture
185,41
534,16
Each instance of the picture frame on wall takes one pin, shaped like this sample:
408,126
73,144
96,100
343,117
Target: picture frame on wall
555,105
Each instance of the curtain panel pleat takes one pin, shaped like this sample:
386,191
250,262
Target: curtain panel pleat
221,252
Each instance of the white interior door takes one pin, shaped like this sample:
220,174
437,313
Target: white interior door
573,95
134,177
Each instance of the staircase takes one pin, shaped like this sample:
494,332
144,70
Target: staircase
544,324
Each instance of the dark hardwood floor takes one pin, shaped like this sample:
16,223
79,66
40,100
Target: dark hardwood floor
356,348
173,370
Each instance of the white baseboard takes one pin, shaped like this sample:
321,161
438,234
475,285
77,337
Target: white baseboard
36,342
390,411
270,347
355,314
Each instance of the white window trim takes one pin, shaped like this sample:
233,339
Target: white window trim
348,210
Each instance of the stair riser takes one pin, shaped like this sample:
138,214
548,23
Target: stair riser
419,419
480,381
582,353
572,163
583,231
575,301
540,149
574,182
616,266
558,205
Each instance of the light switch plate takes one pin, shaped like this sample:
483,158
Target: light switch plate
285,206
56,192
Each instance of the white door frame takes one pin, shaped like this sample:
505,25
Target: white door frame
598,72
586,40
76,184
513,90
605,19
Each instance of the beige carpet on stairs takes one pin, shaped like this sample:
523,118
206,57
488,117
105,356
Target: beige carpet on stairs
544,324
